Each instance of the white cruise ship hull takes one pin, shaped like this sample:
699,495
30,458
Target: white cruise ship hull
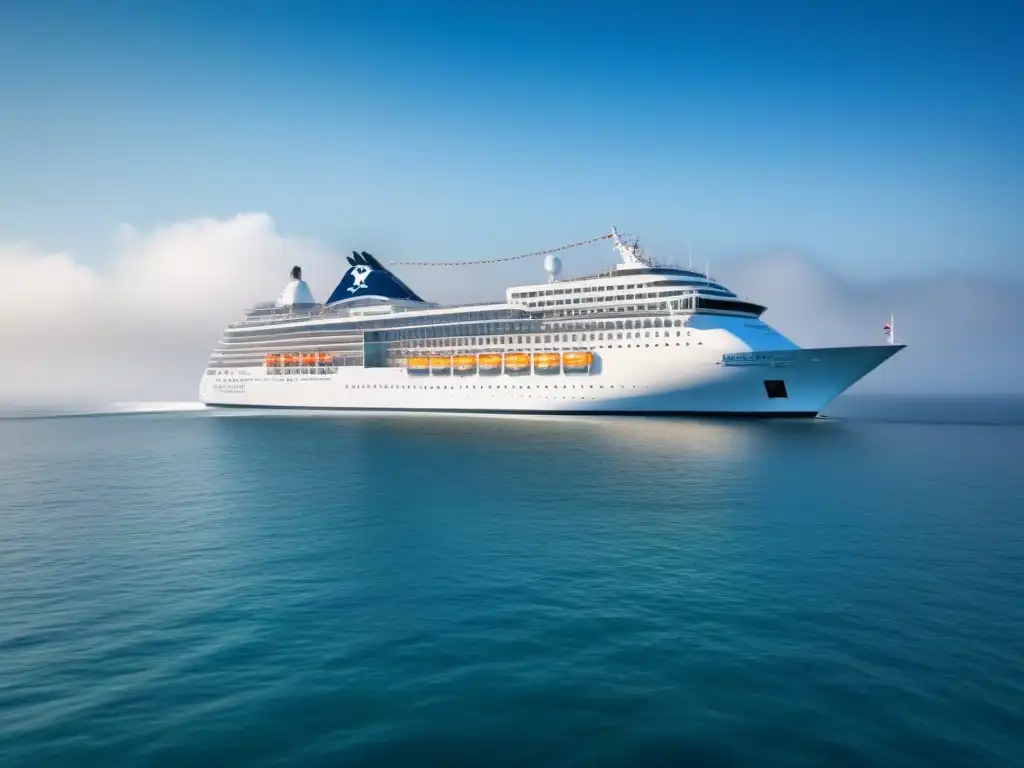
657,380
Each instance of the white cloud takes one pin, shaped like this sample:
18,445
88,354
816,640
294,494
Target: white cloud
143,327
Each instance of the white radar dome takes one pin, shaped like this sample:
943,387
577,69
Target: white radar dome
552,265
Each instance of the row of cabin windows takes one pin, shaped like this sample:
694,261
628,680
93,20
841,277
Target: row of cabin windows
410,335
458,317
442,331
501,342
612,288
649,322
475,330
633,309
420,332
685,304
584,289
548,338
438,331
241,359
616,297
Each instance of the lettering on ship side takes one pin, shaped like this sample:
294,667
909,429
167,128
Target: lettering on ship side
746,358
229,382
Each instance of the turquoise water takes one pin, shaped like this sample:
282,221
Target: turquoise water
236,589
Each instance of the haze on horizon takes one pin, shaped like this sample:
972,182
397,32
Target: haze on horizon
162,166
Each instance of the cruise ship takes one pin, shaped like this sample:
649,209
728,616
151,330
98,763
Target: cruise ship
637,338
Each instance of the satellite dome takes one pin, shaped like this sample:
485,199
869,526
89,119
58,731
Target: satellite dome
296,292
553,266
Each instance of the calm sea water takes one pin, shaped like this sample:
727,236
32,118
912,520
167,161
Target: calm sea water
235,589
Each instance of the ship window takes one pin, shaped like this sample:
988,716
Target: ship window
547,339
775,388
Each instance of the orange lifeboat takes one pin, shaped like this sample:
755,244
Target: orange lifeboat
271,361
516,362
490,363
440,364
418,365
309,358
290,359
547,362
322,358
464,364
577,360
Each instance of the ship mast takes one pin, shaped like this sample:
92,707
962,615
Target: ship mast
629,250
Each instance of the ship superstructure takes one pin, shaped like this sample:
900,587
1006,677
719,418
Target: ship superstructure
637,338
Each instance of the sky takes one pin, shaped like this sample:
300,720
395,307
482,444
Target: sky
167,161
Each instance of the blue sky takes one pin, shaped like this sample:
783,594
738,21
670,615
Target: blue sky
880,138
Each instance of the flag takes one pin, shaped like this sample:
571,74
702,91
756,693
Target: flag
887,328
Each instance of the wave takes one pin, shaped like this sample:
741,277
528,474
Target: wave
158,406
101,409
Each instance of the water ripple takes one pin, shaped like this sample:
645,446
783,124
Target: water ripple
462,591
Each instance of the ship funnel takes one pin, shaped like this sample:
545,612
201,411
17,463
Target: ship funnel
296,292
367,277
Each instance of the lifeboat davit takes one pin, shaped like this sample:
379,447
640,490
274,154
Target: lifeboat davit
547,362
440,365
464,364
517,362
577,361
489,364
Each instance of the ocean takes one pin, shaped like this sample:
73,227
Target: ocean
191,587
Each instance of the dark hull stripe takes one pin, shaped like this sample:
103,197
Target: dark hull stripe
456,411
